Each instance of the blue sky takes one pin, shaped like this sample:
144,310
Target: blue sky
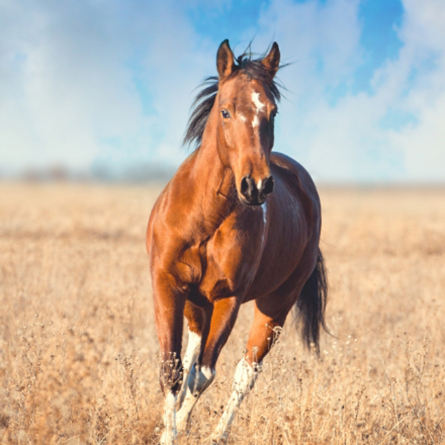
108,84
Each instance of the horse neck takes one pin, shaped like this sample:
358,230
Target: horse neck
213,182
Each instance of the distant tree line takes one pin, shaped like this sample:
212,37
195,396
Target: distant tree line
100,173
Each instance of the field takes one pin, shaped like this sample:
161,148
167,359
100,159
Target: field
78,347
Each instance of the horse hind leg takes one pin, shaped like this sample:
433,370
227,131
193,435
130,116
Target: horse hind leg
261,338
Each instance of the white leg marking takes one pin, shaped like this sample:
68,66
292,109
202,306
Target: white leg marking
245,376
186,411
191,355
192,351
197,382
208,373
169,434
256,100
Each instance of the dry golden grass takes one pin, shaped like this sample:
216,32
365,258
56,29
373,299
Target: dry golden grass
78,348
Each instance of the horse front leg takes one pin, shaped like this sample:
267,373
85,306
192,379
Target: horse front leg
203,372
198,328
190,358
169,311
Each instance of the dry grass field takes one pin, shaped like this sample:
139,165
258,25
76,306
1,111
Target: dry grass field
78,347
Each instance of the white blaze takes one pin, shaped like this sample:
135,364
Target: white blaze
259,106
256,100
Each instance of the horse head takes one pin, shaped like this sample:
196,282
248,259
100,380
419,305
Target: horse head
246,102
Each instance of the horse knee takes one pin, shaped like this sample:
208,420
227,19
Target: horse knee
170,377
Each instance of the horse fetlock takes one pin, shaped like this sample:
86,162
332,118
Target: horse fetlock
219,437
168,438
200,378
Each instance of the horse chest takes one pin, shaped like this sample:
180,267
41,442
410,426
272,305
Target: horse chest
222,265
232,261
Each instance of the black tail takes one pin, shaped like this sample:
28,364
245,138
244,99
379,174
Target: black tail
311,304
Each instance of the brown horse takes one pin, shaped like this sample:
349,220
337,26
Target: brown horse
218,237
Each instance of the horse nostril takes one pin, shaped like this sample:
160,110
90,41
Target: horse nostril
267,187
246,186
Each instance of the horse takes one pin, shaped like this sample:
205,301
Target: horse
236,223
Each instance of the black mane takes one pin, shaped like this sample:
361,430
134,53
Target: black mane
205,99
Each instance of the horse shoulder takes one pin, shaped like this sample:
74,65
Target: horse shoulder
170,234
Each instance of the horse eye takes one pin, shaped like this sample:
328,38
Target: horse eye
273,114
225,114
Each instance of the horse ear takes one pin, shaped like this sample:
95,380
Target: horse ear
272,60
224,60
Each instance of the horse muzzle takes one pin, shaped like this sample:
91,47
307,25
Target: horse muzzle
255,194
